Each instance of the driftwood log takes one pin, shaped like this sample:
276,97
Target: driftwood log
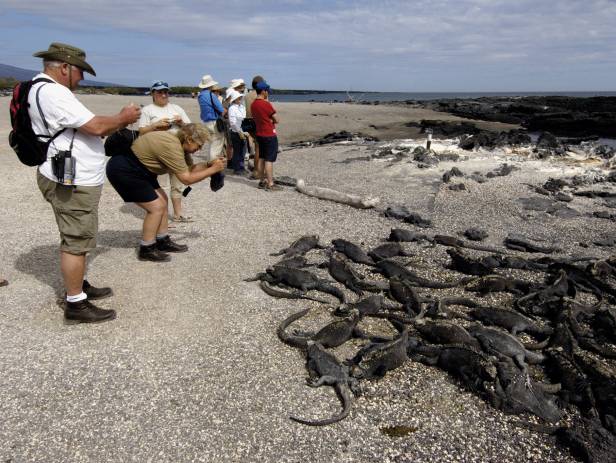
336,196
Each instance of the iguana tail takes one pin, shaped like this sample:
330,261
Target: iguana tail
267,289
291,340
344,394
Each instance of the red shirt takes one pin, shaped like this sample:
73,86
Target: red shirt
262,111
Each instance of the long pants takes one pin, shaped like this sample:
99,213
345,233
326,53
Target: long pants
239,151
216,146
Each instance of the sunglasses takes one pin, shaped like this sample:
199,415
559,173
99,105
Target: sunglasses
160,83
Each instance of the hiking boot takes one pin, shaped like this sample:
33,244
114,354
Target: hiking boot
167,245
153,254
86,312
94,293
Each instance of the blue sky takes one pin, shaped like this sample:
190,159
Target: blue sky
386,45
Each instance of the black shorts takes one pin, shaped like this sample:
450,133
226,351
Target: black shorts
268,148
131,179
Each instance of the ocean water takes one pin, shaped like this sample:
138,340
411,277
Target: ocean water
401,96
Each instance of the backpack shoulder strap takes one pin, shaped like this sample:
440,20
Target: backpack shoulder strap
38,105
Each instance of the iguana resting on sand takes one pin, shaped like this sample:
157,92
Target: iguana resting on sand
325,369
333,334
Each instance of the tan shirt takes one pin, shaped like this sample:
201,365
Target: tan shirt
161,152
250,97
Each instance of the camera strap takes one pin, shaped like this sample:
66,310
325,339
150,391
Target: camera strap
218,114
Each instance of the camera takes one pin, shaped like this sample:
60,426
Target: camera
63,166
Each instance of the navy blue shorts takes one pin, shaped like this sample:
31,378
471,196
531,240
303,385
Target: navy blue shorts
268,148
131,179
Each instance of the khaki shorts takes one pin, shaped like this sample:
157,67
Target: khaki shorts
76,211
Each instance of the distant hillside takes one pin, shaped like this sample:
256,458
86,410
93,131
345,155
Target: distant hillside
27,74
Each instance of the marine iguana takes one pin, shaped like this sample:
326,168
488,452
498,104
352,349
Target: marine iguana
471,366
402,291
442,332
585,337
475,234
300,246
603,324
327,370
501,344
439,307
603,380
403,235
537,302
370,305
386,251
589,441
575,388
512,321
270,291
514,392
391,268
297,261
519,243
298,278
465,264
376,359
333,334
352,251
343,273
373,286
452,241
497,283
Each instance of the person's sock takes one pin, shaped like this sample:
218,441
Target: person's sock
147,243
161,236
77,297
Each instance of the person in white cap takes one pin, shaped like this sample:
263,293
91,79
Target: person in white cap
237,113
211,110
239,86
162,115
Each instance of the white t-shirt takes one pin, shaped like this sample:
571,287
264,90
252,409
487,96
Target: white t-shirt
62,109
154,113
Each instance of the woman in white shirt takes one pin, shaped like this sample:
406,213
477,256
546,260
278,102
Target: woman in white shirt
237,113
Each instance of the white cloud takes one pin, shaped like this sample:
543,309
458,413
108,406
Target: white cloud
335,34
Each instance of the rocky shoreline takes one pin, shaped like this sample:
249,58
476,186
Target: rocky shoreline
561,115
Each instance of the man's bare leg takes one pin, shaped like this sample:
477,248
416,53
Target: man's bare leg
73,269
269,172
257,159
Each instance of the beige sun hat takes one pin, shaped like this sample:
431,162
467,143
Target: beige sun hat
236,83
207,81
67,54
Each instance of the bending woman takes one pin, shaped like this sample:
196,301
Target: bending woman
134,177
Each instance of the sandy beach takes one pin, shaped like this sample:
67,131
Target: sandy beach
192,369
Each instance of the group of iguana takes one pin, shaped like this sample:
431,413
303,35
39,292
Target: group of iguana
549,351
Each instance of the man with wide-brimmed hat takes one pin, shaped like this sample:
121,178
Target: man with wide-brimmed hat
211,109
54,108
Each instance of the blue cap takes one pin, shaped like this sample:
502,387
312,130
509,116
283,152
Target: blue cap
263,85
159,85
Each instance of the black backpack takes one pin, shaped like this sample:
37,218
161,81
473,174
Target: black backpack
119,142
22,138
